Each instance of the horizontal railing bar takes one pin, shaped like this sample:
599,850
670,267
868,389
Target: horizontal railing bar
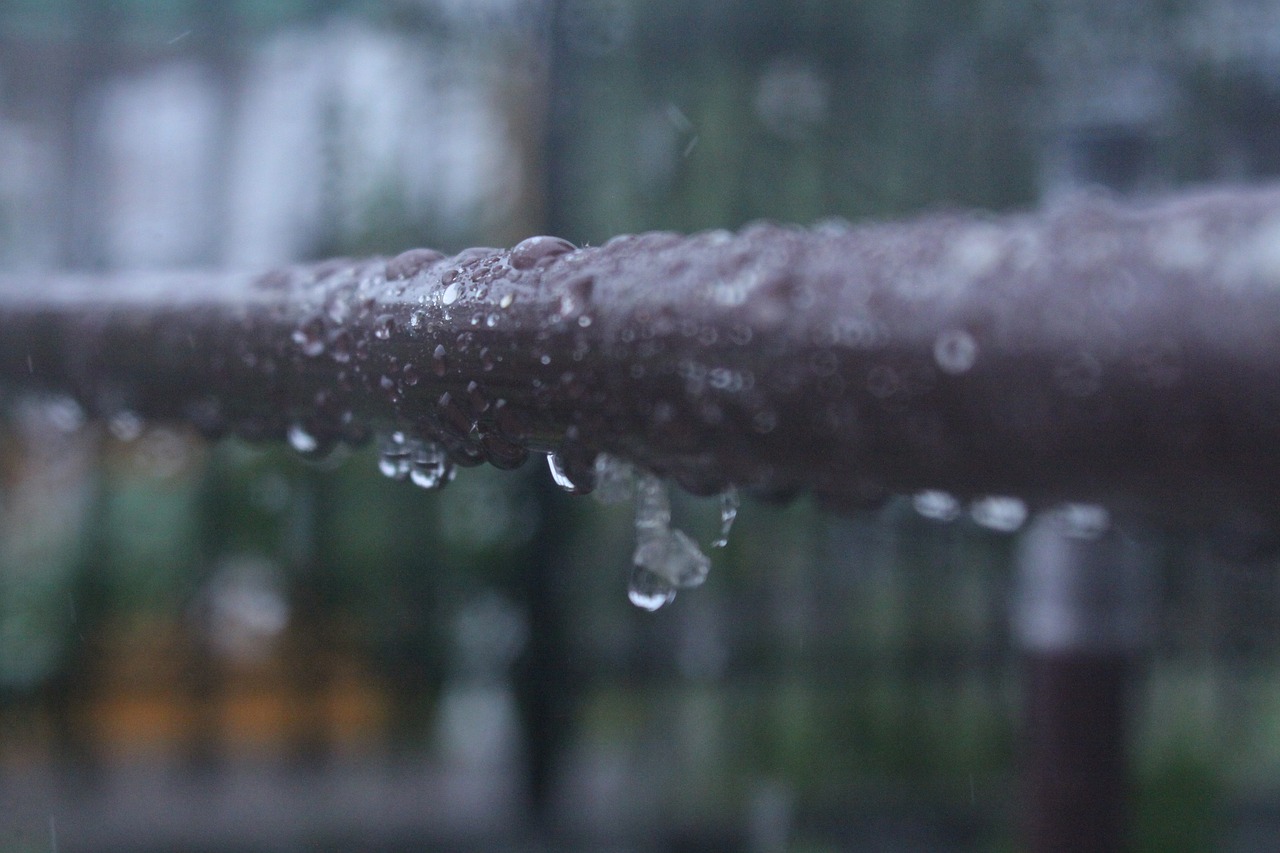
1097,350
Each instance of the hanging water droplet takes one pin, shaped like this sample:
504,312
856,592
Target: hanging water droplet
647,590
1083,521
506,300
393,455
430,466
384,327
528,252
955,351
615,480
937,505
668,553
573,468
126,425
1000,513
729,503
439,361
301,440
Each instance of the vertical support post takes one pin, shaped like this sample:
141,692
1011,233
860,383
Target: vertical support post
1082,613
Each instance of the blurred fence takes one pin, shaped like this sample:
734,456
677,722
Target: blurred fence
216,645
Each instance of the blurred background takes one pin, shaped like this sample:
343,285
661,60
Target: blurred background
223,648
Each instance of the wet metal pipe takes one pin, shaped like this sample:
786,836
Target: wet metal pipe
1117,352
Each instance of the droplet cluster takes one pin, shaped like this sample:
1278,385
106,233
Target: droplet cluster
423,462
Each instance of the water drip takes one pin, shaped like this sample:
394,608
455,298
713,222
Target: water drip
729,502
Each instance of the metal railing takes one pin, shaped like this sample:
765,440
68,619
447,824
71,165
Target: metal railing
1096,351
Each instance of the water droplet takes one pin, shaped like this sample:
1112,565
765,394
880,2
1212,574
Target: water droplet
1082,521
418,320
729,502
545,359
1000,513
937,505
615,480
338,309
301,440
126,425
955,351
393,455
666,552
573,469
340,346
429,465
480,403
450,294
384,327
410,263
528,252
506,300
439,361
310,337
649,591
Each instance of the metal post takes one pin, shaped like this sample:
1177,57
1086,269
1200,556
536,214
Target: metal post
1082,613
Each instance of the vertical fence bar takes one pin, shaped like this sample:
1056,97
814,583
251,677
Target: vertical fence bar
1082,606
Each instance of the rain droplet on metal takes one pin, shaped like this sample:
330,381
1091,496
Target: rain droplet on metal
998,512
310,337
301,440
936,504
1082,521
528,252
410,263
955,351
126,425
